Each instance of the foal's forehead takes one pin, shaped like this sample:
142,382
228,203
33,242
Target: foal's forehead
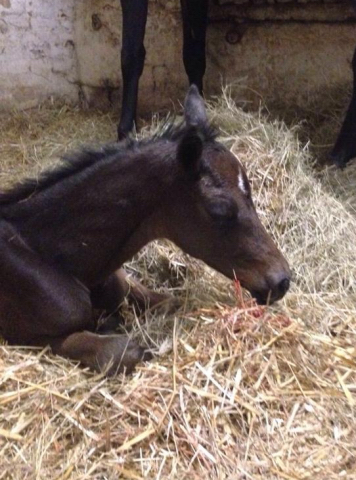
230,170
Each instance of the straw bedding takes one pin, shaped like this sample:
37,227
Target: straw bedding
236,391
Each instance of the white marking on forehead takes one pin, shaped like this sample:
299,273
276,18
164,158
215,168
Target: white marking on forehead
240,178
241,183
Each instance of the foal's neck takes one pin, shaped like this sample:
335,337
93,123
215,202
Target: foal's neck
146,181
96,220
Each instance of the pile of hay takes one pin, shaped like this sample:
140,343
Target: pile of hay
236,391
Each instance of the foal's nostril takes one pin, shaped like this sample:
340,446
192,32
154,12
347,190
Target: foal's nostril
283,286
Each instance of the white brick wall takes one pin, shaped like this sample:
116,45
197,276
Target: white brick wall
51,48
37,58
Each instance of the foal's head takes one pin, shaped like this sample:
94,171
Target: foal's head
210,213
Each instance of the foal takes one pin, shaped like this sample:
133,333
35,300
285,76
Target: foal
65,237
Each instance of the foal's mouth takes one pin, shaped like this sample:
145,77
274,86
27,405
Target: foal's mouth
267,297
264,298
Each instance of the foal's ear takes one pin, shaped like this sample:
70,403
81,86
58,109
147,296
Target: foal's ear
190,150
194,108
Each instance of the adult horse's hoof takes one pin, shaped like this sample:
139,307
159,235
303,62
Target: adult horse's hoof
124,129
121,135
341,159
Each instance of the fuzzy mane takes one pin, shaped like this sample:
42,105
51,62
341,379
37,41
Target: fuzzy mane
69,166
86,158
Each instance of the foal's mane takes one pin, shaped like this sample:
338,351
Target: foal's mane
69,166
87,157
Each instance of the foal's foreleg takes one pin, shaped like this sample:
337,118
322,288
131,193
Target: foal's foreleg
134,16
345,146
42,305
195,19
109,294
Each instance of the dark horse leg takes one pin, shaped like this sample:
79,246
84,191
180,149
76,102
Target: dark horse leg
134,16
195,19
41,305
345,146
109,295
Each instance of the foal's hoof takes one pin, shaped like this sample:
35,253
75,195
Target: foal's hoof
120,354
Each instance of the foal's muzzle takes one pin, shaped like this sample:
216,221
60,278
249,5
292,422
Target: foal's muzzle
273,293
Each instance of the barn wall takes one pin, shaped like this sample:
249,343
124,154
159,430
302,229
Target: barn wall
37,58
98,50
71,49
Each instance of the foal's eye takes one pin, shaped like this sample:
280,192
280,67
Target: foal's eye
223,213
